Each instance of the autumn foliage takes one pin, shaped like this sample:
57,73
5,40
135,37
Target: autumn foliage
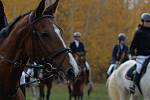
99,22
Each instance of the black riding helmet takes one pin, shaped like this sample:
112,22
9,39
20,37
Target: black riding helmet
145,17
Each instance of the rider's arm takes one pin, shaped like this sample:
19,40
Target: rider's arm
134,44
83,47
114,54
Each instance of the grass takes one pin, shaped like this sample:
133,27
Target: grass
60,92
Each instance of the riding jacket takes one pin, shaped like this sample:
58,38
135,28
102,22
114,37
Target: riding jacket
77,47
119,50
141,42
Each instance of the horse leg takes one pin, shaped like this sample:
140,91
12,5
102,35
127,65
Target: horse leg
49,86
41,91
113,88
78,97
75,97
134,97
70,91
19,95
123,94
33,91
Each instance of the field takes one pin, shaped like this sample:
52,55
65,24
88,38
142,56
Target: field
59,92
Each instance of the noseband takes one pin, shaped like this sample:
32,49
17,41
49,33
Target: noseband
55,68
35,32
50,57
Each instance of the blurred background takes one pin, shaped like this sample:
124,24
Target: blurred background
99,22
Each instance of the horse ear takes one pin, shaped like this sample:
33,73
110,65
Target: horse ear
40,9
1,5
51,9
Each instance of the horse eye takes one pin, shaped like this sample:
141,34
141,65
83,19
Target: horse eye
45,34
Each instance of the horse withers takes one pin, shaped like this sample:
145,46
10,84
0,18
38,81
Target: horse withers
36,36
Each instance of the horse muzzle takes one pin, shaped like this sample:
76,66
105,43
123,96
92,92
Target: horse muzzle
70,75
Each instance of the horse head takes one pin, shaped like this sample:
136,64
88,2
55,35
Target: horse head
48,45
37,37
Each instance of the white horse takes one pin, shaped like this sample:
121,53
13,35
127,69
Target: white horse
118,85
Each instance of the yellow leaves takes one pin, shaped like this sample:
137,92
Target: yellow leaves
99,22
14,8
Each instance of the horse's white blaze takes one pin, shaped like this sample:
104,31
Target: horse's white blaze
73,63
58,33
72,60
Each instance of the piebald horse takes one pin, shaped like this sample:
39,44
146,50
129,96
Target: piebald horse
37,37
118,84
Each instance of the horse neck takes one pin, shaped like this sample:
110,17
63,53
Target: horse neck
82,67
12,46
12,49
81,62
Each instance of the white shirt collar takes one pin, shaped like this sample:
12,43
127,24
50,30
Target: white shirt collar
76,43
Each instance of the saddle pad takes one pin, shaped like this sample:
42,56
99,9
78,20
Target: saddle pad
130,73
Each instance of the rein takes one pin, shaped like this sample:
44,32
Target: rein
51,55
55,70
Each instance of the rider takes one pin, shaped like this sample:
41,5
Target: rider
140,47
119,54
77,46
3,19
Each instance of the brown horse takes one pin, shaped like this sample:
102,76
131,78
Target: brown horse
34,36
45,83
76,88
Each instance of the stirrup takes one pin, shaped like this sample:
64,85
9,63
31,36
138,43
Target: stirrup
132,90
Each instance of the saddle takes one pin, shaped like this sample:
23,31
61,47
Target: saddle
131,72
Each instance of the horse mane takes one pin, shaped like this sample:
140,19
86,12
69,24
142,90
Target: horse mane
5,31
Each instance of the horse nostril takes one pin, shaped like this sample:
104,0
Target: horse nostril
70,73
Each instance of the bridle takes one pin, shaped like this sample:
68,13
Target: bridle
50,57
55,67
34,31
53,54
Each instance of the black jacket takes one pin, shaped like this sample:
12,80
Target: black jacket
118,52
76,49
141,42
